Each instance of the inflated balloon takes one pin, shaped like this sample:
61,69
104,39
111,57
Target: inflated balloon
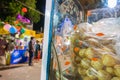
18,28
19,16
17,36
25,20
22,31
12,30
22,19
24,10
18,24
7,27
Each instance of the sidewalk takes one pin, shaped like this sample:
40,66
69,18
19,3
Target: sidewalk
21,72
4,67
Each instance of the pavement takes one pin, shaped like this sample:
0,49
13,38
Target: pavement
21,72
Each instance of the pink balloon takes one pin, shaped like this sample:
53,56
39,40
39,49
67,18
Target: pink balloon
7,27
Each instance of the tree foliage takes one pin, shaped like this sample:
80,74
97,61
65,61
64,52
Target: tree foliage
10,8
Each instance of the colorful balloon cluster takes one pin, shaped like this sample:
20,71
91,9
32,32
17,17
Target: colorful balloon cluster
14,30
17,28
20,29
10,28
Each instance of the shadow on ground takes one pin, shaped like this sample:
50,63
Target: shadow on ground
9,67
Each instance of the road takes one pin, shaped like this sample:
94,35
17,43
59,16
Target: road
21,72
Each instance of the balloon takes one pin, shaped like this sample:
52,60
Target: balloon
7,27
17,35
19,16
22,30
24,10
19,24
13,30
18,28
22,19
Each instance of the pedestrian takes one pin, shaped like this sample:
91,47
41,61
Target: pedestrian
41,49
37,51
31,51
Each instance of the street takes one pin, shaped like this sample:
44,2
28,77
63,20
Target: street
21,72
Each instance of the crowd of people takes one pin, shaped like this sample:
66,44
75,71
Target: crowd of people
33,47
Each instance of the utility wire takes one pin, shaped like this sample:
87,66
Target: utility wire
30,8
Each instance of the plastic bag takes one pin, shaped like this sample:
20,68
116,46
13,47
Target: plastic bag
107,26
96,50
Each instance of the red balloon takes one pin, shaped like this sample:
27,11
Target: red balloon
24,10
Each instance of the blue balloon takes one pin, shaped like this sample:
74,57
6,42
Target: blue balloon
12,30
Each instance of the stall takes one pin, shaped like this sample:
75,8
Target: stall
81,44
30,32
20,53
15,52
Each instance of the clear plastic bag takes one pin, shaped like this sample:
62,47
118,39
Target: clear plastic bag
96,50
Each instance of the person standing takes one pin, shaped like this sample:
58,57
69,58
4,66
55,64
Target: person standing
31,51
37,51
41,49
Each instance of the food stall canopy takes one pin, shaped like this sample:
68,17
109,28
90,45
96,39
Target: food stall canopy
2,31
40,35
30,33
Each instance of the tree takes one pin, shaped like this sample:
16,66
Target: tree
32,13
10,8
